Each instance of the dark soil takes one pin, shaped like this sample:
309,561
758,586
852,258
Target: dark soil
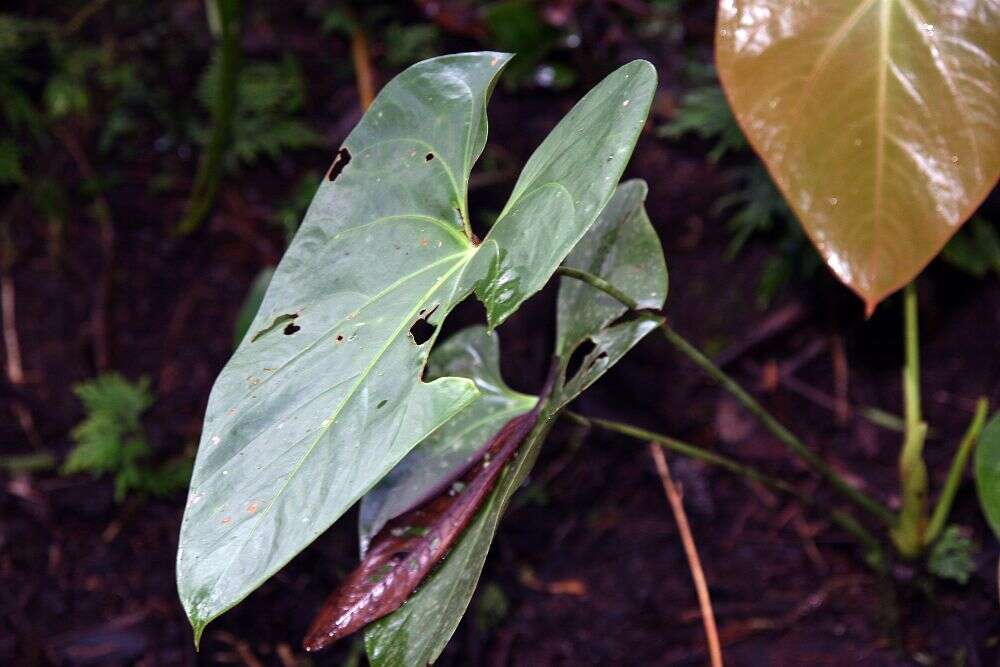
588,559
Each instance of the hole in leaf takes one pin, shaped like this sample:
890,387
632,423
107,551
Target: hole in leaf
428,157
278,321
291,328
341,160
339,338
422,330
579,354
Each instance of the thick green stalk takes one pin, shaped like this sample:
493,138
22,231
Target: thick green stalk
908,535
873,549
955,472
793,443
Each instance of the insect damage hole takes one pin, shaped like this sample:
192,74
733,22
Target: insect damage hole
582,351
422,330
291,328
342,159
428,157
276,324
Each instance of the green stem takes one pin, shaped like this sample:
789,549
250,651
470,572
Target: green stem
681,447
908,535
874,553
956,471
208,178
793,443
599,283
777,429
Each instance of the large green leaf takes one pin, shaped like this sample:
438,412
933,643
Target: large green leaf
988,472
879,120
618,245
473,353
323,397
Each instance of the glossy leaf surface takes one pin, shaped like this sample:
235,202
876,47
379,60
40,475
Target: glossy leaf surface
988,472
323,397
420,629
879,120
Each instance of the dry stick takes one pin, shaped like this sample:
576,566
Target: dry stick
100,326
694,563
361,58
792,442
15,370
12,349
841,380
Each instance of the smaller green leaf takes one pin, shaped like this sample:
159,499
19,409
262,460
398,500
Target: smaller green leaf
988,472
622,248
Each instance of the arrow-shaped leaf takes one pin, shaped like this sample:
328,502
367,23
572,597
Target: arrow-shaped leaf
323,397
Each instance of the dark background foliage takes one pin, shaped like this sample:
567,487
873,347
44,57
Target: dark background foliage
107,109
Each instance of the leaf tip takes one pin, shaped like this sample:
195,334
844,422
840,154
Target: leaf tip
198,627
870,305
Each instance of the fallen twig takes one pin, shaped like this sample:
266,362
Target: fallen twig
12,351
677,507
363,72
100,328
838,356
15,369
